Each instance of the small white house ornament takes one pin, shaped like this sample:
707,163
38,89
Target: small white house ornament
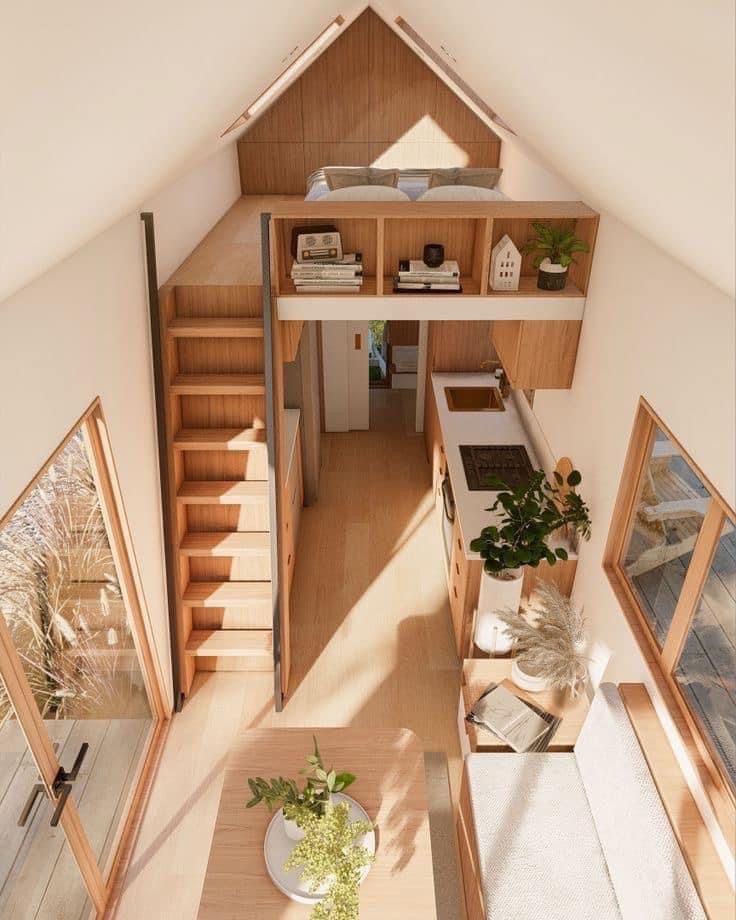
505,265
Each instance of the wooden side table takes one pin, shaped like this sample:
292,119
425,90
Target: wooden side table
479,673
389,764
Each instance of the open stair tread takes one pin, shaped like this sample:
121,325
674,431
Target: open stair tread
226,544
218,384
226,593
232,492
220,439
216,327
230,643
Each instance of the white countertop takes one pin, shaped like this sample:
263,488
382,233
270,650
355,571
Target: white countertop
289,432
475,428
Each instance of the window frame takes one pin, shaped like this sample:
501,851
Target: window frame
103,881
663,661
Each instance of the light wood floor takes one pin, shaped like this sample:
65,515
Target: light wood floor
372,646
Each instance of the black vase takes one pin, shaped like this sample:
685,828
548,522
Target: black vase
434,254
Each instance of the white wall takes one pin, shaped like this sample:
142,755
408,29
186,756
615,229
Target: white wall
185,211
651,328
82,330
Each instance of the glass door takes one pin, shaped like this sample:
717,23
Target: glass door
39,876
78,689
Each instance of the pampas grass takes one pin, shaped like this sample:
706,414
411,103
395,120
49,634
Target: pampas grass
549,638
54,554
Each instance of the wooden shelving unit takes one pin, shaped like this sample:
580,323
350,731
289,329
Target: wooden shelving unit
386,232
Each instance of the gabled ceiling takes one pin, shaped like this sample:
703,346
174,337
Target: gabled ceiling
101,104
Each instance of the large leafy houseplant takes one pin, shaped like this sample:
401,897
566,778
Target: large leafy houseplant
528,516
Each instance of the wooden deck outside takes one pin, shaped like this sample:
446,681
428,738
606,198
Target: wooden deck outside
707,668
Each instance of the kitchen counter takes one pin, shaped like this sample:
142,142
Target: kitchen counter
475,428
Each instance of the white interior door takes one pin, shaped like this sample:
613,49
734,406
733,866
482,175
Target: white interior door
345,372
358,377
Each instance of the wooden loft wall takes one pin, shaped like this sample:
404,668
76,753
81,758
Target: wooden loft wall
367,100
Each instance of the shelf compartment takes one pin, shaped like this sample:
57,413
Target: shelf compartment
520,230
356,234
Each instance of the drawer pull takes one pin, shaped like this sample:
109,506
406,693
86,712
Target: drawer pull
454,591
288,561
459,544
457,568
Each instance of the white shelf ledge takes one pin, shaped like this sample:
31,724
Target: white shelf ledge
429,307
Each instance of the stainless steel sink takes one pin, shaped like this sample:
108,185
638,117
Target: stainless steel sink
474,399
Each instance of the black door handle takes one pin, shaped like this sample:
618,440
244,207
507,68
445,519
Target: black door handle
38,789
61,788
62,776
63,793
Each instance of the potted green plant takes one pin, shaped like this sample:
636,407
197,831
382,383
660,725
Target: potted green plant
549,638
527,517
298,804
554,248
333,861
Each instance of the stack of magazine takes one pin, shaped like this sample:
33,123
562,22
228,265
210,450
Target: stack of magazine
415,276
522,726
343,276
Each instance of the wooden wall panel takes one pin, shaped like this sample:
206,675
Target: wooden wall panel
403,332
403,89
345,153
272,168
335,89
284,119
368,99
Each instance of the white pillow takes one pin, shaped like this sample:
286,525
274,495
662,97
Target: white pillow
366,193
462,193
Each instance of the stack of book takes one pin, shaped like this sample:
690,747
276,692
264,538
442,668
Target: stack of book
414,275
343,276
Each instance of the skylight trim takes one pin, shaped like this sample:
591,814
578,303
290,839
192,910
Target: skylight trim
274,89
451,74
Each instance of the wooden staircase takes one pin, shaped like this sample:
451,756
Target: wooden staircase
214,365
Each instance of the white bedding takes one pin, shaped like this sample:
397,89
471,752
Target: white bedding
413,183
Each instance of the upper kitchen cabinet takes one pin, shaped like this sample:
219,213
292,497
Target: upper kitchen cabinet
537,354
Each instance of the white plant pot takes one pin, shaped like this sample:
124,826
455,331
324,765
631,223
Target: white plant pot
496,594
528,682
291,828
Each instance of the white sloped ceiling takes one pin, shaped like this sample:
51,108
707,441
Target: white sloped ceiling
632,102
101,104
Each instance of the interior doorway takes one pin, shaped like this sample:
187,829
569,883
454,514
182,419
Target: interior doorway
363,359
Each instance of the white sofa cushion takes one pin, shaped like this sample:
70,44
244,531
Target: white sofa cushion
539,855
645,862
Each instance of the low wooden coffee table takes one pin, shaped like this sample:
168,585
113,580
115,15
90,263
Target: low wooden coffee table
390,786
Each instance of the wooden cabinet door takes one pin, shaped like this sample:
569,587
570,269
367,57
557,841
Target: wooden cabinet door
538,354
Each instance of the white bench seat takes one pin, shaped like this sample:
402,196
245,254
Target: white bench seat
539,853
